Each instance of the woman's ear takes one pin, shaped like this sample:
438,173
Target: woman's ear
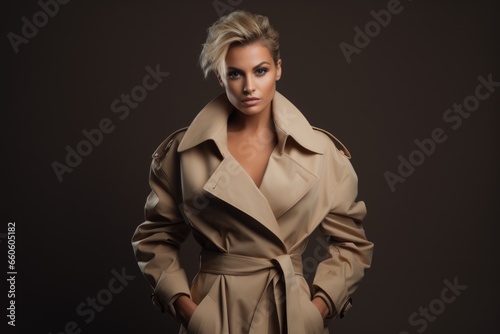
278,69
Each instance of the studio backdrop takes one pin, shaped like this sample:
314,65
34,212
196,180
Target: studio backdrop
412,88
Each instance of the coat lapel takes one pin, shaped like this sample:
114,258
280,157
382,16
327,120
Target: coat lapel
285,180
285,183
233,185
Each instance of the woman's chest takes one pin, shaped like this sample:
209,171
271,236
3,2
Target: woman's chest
252,152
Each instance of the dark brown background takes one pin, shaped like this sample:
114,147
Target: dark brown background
439,224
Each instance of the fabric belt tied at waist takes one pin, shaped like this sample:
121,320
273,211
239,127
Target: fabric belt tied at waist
283,268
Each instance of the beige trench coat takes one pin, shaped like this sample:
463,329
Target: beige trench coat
250,278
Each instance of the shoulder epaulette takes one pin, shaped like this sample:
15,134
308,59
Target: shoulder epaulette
341,147
162,150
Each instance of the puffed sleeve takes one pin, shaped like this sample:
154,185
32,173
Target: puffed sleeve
349,252
156,241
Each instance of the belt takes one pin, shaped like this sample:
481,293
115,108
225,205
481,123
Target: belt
282,268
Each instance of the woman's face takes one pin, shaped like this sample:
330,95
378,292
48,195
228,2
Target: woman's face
251,78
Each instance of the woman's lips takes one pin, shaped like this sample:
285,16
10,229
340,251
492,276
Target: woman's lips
251,101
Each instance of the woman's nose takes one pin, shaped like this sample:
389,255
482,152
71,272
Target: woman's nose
249,86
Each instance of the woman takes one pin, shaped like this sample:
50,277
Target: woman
252,179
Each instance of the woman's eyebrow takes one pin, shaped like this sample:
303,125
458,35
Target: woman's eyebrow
255,67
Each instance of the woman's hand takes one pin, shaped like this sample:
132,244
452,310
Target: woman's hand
321,306
184,307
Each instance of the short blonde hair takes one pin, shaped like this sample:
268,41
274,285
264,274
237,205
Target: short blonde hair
239,27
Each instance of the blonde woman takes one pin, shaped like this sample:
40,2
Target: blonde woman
251,179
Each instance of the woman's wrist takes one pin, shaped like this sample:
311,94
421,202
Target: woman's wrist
321,306
184,308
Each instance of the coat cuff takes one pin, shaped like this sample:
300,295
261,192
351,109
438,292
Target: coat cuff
169,287
338,305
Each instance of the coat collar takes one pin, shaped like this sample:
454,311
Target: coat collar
211,124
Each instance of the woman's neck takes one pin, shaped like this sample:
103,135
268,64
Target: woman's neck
240,122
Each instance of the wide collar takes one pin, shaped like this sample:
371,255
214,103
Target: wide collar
211,124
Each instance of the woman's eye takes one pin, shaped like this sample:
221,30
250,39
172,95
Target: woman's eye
261,71
233,75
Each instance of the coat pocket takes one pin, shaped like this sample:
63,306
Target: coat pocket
313,321
206,318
